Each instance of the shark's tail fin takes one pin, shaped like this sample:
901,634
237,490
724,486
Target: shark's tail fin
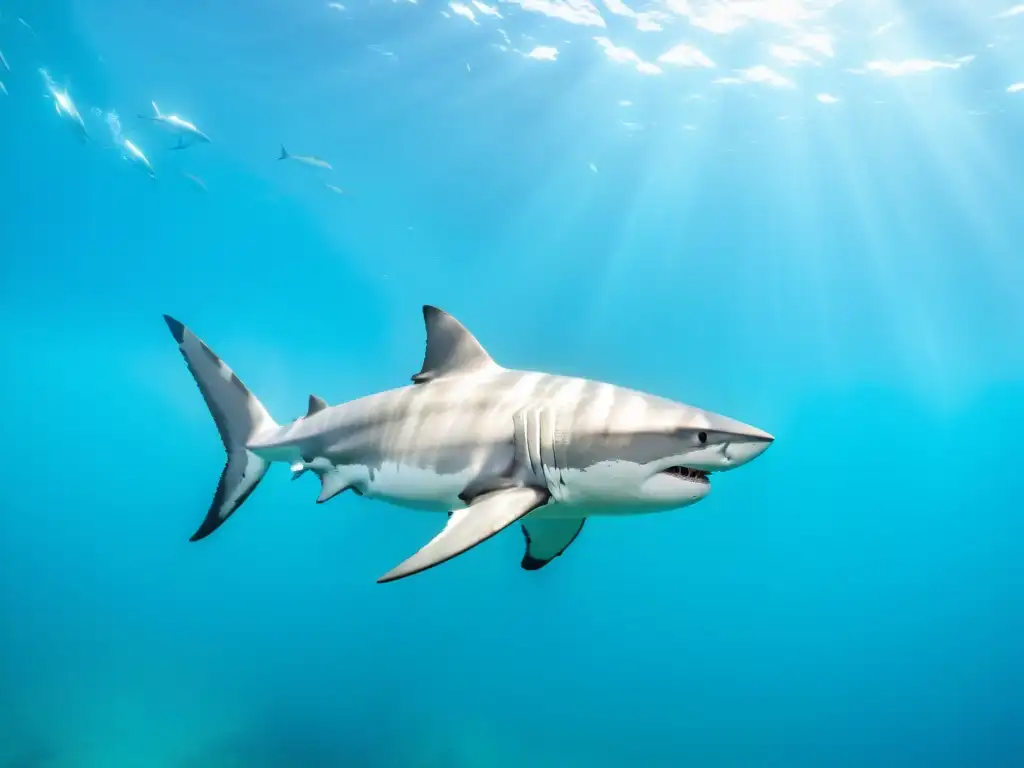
284,153
239,417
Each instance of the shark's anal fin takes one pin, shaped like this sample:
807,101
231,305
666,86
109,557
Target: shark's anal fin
483,518
316,404
450,348
547,538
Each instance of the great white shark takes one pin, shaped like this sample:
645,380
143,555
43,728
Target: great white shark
488,445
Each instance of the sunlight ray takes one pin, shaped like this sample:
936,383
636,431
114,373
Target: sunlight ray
966,157
805,210
897,298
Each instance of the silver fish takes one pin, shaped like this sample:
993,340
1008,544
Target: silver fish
185,131
136,156
310,160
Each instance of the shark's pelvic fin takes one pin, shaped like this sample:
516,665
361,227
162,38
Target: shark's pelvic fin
298,470
451,349
482,519
331,484
316,404
239,417
547,538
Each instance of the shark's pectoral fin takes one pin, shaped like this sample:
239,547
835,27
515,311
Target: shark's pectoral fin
483,518
547,538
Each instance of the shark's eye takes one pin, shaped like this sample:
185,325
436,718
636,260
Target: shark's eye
703,437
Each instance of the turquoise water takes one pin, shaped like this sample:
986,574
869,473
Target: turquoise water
845,272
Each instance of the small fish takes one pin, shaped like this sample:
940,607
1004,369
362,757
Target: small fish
3,88
336,190
25,25
4,62
186,132
135,155
196,180
64,105
310,160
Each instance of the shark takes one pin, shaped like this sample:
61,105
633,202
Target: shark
311,160
186,132
489,446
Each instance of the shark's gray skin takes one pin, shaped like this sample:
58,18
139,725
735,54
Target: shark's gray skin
489,446
186,132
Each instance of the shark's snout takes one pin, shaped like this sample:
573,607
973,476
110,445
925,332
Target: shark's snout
743,450
731,445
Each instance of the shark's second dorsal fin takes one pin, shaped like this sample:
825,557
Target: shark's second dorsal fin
451,348
316,404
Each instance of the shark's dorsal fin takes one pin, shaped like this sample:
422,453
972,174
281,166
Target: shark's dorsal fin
451,349
316,404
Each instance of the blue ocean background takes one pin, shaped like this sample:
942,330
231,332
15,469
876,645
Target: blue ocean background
846,273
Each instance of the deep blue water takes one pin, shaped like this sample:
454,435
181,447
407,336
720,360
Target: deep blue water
847,275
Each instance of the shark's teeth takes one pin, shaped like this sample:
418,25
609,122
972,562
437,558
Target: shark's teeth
694,475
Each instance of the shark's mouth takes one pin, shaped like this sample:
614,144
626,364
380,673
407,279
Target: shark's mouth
685,473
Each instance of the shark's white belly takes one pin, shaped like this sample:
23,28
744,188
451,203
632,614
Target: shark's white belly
425,490
415,487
